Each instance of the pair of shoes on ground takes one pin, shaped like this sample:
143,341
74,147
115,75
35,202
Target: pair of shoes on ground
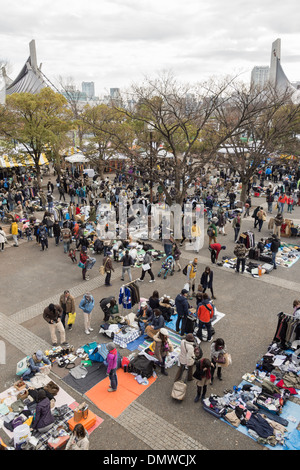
89,330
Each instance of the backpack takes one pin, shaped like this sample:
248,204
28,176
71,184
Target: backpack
210,232
184,271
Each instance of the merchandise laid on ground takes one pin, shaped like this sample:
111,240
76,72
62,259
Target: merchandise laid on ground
18,408
266,404
85,371
259,261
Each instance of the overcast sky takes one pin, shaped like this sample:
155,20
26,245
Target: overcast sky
116,42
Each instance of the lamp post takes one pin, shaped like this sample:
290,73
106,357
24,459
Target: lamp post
149,128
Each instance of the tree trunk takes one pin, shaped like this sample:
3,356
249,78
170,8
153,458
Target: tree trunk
243,196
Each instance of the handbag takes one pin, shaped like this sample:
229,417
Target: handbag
102,268
81,265
71,319
221,359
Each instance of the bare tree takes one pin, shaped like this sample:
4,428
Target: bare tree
265,122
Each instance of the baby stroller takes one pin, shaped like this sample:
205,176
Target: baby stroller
168,267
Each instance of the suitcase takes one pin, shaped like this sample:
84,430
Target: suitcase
266,258
254,253
179,388
267,267
215,413
59,443
87,422
190,324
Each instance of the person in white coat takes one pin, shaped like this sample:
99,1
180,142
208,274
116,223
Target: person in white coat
2,239
186,357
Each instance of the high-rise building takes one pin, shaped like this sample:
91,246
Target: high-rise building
89,89
260,76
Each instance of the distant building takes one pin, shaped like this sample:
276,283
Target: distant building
89,89
260,76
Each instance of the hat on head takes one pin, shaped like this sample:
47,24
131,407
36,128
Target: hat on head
190,337
223,247
39,355
110,346
144,304
164,331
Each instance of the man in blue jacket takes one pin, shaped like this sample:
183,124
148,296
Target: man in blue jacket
86,305
182,307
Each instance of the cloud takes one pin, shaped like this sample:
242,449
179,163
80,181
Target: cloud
112,42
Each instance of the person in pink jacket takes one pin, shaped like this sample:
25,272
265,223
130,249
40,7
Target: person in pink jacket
112,364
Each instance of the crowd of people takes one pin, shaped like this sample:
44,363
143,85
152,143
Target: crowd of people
74,214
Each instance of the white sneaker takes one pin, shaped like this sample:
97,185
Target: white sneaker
87,332
141,280
91,329
152,280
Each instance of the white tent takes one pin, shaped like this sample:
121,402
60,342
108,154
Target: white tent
77,158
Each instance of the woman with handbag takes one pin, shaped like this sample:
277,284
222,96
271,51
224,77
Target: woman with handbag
203,376
218,359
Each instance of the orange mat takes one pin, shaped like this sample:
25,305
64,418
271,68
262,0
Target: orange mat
114,403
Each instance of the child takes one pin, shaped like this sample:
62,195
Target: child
28,233
72,254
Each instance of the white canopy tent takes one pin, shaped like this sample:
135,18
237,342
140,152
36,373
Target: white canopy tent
77,158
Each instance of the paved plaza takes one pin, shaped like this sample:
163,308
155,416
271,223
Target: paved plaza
31,279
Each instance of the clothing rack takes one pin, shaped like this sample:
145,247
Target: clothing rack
287,329
125,285
131,282
286,314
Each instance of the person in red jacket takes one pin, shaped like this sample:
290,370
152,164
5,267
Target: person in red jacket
215,249
281,201
205,315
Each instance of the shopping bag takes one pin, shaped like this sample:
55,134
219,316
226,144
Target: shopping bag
71,319
22,365
101,270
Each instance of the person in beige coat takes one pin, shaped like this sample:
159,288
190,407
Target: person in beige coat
186,357
163,347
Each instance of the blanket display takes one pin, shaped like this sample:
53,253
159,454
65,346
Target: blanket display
17,411
266,404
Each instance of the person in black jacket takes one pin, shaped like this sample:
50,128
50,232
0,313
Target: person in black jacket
275,245
182,308
127,262
207,280
56,232
153,301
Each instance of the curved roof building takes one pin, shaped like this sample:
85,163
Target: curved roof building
30,78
